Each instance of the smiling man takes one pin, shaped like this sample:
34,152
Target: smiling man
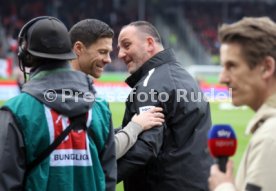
92,43
173,157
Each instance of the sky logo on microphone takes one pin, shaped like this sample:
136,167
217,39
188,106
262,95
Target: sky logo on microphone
222,141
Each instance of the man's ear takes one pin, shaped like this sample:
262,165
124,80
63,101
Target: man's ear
78,47
150,43
268,67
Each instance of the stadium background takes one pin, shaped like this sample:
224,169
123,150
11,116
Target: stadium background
188,26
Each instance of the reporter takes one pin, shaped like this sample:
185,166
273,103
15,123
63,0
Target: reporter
248,57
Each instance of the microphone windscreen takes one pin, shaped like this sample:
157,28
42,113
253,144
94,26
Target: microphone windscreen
222,141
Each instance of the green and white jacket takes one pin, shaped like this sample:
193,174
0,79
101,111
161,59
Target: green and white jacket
34,123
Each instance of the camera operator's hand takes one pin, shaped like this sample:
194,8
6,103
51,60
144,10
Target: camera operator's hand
151,118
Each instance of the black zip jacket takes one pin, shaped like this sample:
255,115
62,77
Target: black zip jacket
173,157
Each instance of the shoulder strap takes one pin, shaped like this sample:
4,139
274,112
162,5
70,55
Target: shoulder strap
77,122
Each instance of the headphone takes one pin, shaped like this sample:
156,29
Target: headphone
23,55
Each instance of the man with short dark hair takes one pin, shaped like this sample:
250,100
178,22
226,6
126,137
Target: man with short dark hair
92,42
51,135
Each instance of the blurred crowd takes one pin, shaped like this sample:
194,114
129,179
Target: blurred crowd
14,14
206,16
203,16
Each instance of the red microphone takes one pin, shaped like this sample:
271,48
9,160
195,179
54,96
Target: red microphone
222,144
